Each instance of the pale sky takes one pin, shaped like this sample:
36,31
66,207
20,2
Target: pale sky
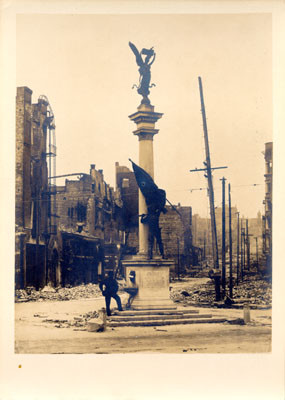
83,64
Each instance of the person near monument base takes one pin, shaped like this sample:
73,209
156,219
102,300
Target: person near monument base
109,288
132,290
152,219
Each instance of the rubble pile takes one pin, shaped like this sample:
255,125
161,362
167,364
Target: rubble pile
202,294
58,294
77,323
252,290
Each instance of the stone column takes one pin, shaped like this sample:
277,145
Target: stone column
145,119
152,276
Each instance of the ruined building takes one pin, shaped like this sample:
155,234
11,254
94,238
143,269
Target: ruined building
127,185
267,218
89,222
202,231
32,123
65,234
176,233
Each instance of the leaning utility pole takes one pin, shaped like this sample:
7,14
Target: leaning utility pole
208,169
223,237
230,243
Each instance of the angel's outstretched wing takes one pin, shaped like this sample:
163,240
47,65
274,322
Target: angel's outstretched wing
139,60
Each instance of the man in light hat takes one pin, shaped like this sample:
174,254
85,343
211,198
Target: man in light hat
132,290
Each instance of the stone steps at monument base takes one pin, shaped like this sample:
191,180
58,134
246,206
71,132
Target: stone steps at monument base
158,317
144,307
155,312
161,322
154,307
135,318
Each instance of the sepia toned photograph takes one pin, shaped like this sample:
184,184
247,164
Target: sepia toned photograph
144,150
144,163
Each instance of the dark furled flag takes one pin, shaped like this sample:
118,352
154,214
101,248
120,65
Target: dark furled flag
154,196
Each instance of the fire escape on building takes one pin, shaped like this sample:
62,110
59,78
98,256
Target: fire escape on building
51,161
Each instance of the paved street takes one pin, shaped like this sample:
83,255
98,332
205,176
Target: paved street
33,335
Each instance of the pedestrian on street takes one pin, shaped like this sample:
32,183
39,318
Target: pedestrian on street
109,288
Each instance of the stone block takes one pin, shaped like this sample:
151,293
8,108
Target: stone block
96,325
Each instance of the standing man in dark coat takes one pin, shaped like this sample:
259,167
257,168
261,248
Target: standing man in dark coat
152,219
109,288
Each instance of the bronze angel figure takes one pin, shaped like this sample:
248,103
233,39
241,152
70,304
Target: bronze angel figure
144,70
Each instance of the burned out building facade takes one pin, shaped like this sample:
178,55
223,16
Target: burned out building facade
176,232
89,204
89,215
64,234
127,185
32,205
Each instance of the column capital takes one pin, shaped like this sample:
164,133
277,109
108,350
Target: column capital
145,134
149,117
145,119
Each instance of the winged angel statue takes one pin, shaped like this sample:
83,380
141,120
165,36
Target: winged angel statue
144,70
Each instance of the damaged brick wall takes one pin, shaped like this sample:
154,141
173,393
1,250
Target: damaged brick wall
23,157
176,234
91,204
31,190
82,259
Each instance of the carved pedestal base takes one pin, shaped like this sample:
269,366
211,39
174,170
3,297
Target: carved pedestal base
152,278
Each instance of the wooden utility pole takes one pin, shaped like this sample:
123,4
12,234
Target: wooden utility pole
241,250
204,245
237,248
208,169
230,244
248,246
210,181
178,259
256,247
223,237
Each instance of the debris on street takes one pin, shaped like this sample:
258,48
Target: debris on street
75,322
58,294
253,290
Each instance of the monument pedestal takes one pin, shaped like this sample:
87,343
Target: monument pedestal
152,278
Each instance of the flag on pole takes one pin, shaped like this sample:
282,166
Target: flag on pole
154,196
